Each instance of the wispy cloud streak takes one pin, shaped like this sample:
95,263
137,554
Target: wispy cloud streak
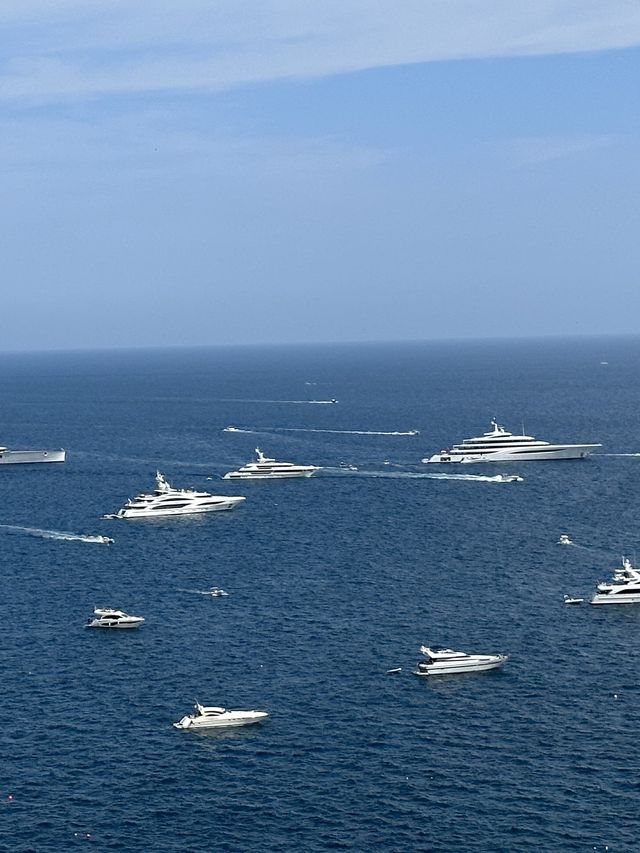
89,48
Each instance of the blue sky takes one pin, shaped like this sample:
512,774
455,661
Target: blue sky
196,173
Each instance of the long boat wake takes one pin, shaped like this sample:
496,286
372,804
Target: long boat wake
59,535
257,430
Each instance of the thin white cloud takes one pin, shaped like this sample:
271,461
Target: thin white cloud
86,48
532,150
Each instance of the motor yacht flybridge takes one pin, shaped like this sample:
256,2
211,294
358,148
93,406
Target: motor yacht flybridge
498,445
165,500
624,588
106,617
441,661
263,468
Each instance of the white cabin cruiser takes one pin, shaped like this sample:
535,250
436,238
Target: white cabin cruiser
498,445
565,540
105,617
27,457
166,500
263,468
212,717
441,661
624,588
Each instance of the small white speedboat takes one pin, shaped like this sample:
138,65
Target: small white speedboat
212,717
216,592
105,617
441,661
568,599
565,540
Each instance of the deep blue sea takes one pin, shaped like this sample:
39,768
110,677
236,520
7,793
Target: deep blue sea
332,581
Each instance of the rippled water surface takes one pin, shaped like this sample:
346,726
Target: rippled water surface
332,581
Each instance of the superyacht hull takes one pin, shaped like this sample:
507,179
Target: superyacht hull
28,457
155,513
254,475
452,668
525,454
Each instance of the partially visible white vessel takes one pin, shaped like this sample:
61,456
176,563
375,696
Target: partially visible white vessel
263,468
105,617
498,445
441,661
624,588
166,500
27,457
212,717
565,539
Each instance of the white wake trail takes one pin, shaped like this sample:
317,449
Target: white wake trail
410,475
60,535
289,402
332,431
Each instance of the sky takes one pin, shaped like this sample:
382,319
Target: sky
213,172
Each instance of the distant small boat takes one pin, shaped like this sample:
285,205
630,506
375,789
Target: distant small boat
570,600
565,540
393,671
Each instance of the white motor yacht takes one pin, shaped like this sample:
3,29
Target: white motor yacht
166,500
211,717
498,445
27,457
441,661
263,467
565,540
624,588
105,617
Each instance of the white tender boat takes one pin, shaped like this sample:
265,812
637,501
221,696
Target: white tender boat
166,500
624,588
441,661
565,540
568,599
105,617
212,717
498,445
263,468
28,457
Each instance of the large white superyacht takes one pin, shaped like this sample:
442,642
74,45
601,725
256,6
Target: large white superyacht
265,468
165,500
498,445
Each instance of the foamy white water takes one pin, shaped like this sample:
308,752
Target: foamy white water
259,430
57,534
